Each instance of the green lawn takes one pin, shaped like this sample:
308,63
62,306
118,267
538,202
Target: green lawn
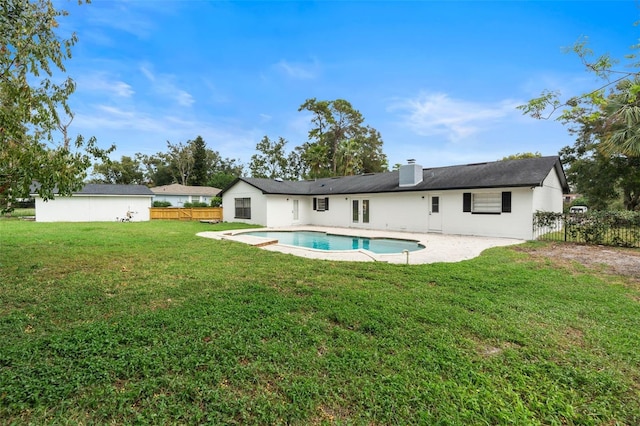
123,323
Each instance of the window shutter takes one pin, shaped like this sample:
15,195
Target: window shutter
506,202
466,202
326,203
315,203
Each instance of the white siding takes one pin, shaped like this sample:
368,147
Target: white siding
175,200
516,224
94,208
548,197
258,204
410,212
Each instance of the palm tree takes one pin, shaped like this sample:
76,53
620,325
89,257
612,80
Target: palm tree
621,115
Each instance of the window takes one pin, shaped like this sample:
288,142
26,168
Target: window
506,202
486,202
243,208
435,204
365,211
321,204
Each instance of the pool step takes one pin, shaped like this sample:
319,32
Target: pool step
254,241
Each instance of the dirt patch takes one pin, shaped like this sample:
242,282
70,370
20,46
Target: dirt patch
609,260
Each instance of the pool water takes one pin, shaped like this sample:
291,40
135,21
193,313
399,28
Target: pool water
323,241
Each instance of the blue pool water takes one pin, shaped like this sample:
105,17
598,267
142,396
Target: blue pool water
323,241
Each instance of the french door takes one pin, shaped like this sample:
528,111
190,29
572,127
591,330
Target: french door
360,210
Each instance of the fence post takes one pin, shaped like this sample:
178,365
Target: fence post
563,218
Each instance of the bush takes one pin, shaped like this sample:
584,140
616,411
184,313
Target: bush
161,204
195,204
617,228
216,201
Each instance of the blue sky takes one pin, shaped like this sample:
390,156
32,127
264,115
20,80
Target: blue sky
439,80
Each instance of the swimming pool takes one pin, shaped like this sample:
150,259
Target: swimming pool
323,241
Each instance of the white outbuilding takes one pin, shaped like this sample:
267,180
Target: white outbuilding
97,203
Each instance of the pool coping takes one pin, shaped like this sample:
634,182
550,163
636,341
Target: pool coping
438,247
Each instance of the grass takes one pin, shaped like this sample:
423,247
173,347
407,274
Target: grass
146,323
18,213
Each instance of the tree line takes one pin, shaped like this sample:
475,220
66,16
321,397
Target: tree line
603,164
338,144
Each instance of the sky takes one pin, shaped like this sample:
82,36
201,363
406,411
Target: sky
439,80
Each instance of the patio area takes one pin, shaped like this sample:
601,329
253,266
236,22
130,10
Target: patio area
438,247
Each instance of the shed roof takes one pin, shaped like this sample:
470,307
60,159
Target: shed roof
178,189
103,189
496,174
113,189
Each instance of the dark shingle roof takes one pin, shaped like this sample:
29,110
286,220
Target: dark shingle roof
109,189
497,174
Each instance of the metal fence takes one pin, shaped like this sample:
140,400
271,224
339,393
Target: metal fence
612,228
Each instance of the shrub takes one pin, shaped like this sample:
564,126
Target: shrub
618,228
195,204
161,204
216,201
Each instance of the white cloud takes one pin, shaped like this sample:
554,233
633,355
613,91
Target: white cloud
438,114
265,118
163,85
101,82
298,71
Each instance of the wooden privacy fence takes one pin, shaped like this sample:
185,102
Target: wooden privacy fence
188,213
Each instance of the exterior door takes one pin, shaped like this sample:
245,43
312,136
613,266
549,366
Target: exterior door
435,218
296,212
360,211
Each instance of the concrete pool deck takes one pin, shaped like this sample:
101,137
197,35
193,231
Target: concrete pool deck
438,247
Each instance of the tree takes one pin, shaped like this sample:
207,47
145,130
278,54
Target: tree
603,163
224,171
339,143
33,104
198,175
271,161
614,102
180,159
157,172
522,155
606,178
127,171
183,162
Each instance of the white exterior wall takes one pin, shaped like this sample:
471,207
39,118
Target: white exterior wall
517,224
179,200
410,212
258,204
548,197
175,200
92,208
339,212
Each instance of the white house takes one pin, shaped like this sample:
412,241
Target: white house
97,203
178,194
495,199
